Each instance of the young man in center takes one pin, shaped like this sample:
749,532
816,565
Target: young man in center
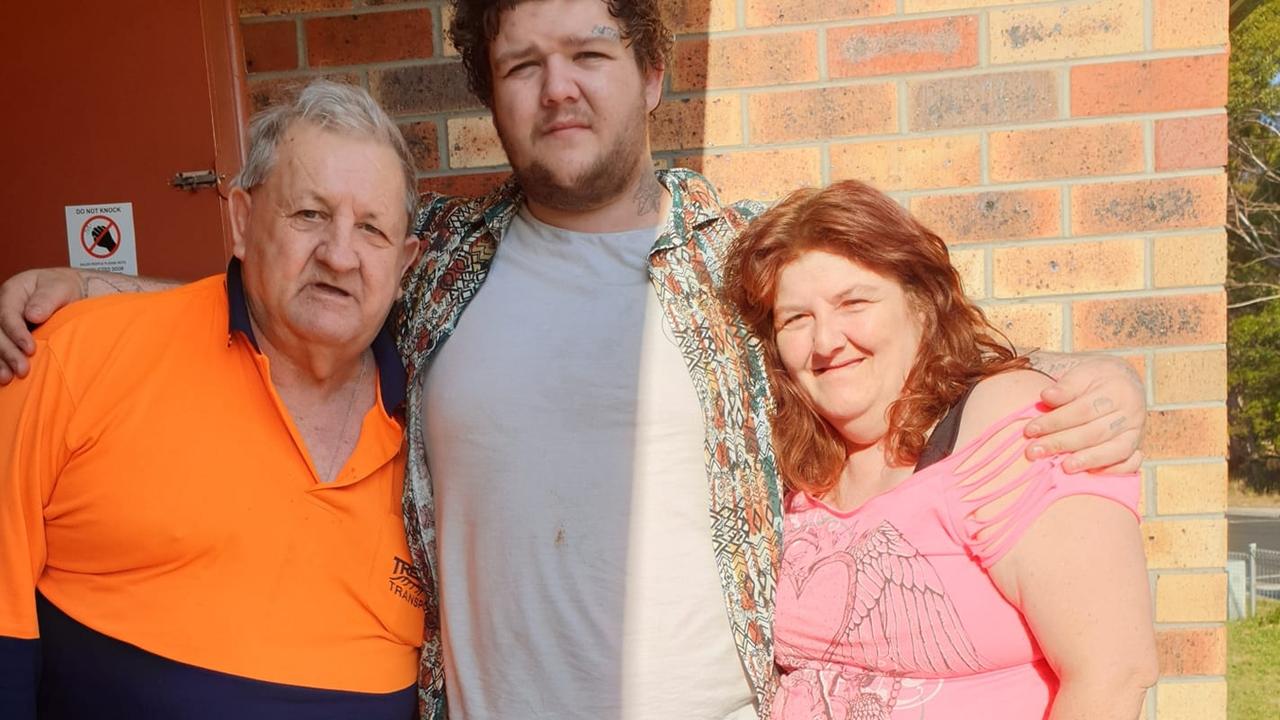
591,450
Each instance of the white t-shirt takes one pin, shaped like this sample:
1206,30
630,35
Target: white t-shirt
565,443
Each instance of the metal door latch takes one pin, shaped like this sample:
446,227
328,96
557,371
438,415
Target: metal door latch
194,179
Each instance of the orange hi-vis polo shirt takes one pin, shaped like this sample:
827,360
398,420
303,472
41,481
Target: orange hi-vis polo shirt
159,511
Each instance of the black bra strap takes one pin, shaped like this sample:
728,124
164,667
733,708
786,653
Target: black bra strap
943,438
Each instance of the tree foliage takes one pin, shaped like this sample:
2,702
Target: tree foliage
1253,227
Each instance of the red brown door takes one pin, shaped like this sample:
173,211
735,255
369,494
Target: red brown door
106,101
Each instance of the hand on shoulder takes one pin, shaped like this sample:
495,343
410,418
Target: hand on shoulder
997,397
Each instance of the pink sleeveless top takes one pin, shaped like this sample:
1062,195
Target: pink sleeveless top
887,612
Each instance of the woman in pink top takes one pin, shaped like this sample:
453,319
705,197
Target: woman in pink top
929,569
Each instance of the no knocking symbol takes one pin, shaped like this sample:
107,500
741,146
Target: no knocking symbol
100,236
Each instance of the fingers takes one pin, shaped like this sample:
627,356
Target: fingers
13,361
1077,412
1131,465
1094,446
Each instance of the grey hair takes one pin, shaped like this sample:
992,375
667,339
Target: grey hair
332,106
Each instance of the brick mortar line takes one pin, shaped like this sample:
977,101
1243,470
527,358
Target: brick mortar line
1105,296
1188,405
300,40
1192,572
1065,240
1202,625
1186,517
901,14
984,41
1011,68
1148,25
1172,462
362,10
1040,183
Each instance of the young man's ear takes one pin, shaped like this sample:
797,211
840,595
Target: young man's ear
653,87
239,205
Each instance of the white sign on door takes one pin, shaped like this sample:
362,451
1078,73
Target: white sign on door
101,237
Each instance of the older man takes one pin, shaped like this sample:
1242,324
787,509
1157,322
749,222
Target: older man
200,489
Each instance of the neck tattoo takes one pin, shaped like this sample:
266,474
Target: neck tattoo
648,196
330,470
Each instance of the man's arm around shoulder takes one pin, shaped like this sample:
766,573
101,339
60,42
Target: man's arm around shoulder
31,297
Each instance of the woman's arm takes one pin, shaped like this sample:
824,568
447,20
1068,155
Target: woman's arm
1076,571
1080,578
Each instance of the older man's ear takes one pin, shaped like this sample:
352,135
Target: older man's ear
412,247
239,205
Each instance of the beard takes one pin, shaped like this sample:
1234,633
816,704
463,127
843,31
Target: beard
605,178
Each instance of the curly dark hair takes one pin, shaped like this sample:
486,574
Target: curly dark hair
475,25
856,221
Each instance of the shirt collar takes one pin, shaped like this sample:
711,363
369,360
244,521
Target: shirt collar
391,374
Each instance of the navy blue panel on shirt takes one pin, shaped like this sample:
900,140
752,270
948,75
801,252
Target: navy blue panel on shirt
19,673
87,674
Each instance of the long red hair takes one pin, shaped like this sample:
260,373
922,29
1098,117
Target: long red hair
958,346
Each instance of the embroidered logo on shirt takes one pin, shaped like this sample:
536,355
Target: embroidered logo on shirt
406,584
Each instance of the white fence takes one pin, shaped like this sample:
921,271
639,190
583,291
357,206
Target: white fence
1251,575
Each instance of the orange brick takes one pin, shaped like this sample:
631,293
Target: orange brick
1149,321
988,99
903,47
971,263
423,89
1185,544
421,137
1192,651
699,16
767,13
264,93
932,162
368,38
1187,433
1068,268
823,113
1189,23
1028,326
992,215
1065,31
1205,700
1149,85
761,174
749,60
923,6
1165,204
1191,376
1111,149
1194,142
1191,489
1190,260
1192,597
473,142
690,123
468,185
270,46
286,7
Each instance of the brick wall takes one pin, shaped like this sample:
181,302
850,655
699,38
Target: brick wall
1071,151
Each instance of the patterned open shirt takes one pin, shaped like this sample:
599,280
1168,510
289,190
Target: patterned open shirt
725,363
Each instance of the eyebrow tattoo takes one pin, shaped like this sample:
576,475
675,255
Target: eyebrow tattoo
606,32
